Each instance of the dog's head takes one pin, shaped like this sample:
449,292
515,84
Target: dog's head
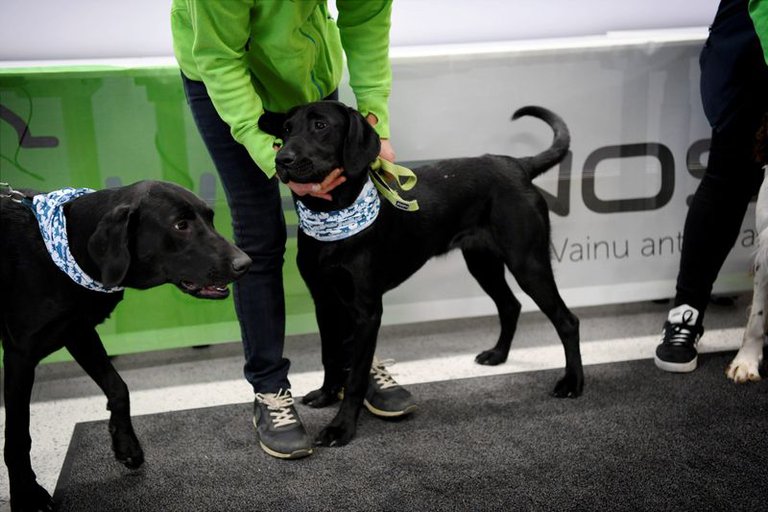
322,136
159,232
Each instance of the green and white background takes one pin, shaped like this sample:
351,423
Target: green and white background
112,119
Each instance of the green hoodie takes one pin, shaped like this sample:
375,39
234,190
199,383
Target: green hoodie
257,55
758,10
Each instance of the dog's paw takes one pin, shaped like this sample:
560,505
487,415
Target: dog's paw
132,458
320,398
491,357
742,370
126,447
334,435
34,499
569,386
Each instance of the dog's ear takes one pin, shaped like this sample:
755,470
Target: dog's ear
273,123
361,145
108,245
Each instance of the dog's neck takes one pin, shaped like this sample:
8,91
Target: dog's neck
341,197
344,223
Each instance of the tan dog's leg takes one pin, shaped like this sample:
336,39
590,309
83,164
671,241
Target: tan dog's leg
745,366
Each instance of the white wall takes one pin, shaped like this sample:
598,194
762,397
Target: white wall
74,29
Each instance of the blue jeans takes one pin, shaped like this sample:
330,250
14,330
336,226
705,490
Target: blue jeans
259,230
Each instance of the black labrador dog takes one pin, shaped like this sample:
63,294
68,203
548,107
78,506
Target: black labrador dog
485,206
138,236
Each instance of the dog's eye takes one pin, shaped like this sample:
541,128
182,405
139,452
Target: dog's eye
320,125
182,225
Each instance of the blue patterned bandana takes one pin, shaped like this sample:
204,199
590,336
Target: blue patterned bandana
340,224
53,226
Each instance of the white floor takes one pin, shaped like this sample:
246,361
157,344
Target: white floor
191,378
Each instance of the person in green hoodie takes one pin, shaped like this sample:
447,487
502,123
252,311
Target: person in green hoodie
243,61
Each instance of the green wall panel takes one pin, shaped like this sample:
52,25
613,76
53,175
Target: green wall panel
102,126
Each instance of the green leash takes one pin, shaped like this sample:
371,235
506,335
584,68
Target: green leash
404,178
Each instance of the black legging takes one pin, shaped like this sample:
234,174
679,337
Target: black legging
734,85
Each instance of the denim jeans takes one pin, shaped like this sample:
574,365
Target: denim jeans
259,230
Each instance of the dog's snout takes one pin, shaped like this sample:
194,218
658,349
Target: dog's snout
285,157
240,264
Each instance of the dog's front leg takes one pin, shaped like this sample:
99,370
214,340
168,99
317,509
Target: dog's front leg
26,493
336,329
342,428
88,351
745,366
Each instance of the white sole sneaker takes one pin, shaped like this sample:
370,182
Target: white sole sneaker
675,367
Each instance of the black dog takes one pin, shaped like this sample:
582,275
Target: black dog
485,206
138,236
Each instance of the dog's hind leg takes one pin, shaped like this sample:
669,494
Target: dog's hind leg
534,275
26,493
87,349
488,270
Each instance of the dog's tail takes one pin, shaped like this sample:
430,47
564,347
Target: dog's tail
536,165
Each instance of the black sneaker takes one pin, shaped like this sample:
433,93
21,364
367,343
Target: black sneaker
677,351
385,397
278,426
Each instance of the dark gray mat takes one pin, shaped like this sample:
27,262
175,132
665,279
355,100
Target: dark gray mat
639,439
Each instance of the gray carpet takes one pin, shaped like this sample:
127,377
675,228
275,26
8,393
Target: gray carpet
639,439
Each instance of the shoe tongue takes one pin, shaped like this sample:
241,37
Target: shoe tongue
683,315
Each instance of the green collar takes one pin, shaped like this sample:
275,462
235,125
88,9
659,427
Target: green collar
383,170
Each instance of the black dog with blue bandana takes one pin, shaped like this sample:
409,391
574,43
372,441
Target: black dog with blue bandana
487,207
66,257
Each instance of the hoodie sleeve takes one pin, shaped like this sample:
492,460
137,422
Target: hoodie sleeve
364,29
221,34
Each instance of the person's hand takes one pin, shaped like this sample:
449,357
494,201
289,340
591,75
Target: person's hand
386,152
321,190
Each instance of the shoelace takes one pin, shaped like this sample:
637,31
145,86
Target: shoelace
279,405
380,374
681,334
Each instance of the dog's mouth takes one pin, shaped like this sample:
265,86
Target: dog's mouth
208,291
301,172
282,174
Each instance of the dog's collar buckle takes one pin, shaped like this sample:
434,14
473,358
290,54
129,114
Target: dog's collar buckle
7,191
